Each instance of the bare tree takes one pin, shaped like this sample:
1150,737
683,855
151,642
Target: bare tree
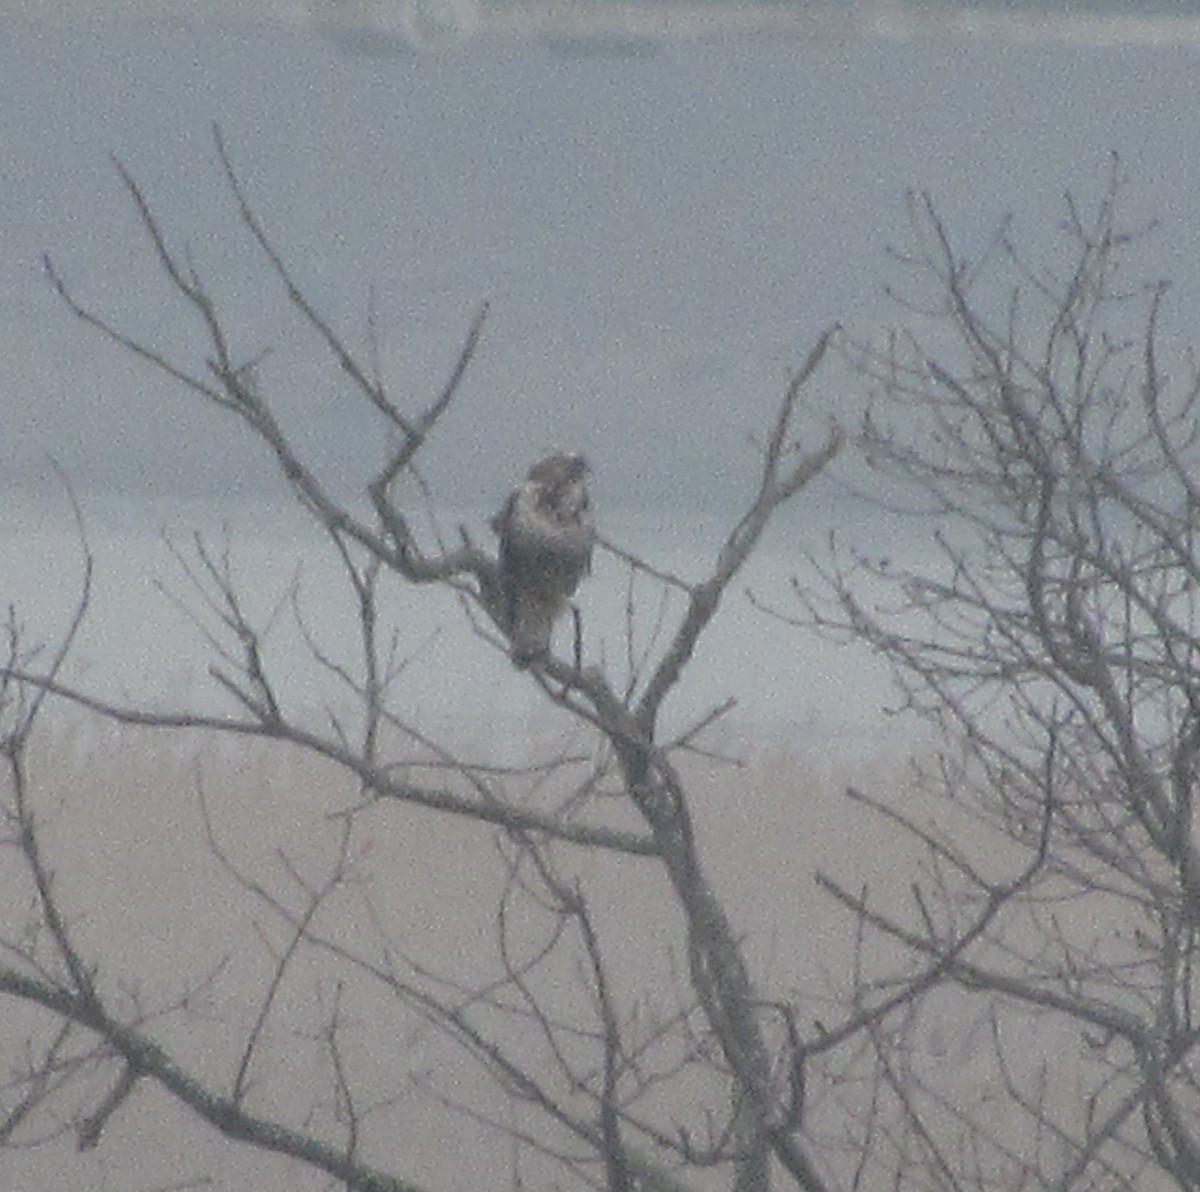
1022,1017
616,1093
1043,616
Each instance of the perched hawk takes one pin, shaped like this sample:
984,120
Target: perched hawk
546,535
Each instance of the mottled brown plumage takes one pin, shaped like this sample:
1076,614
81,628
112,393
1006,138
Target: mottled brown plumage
546,535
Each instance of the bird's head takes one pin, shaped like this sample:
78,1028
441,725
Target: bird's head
559,468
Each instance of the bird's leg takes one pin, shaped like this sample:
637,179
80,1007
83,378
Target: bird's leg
577,623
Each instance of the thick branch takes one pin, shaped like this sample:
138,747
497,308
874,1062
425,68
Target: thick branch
374,779
146,1058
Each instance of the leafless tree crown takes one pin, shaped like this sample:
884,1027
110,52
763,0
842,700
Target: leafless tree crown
1049,629
1016,1013
585,1082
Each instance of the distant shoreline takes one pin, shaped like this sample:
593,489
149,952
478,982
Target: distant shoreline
628,27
